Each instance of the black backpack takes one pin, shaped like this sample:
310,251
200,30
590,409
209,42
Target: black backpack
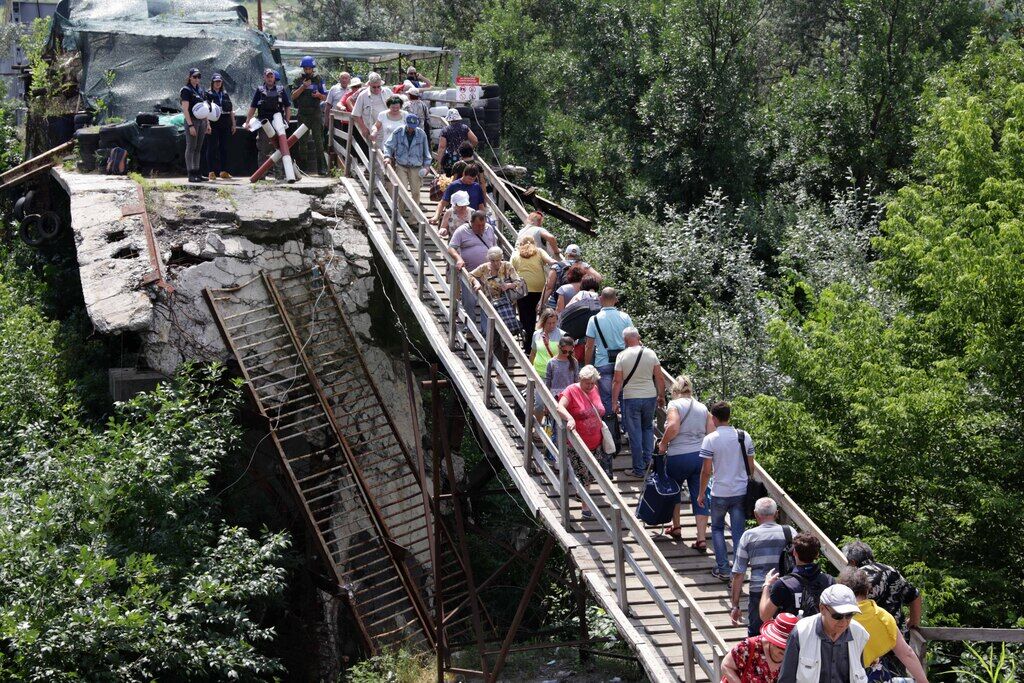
786,562
809,592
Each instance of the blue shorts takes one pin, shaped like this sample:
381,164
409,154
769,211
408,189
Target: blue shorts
685,469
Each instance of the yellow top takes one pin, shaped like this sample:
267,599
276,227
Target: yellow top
881,628
530,269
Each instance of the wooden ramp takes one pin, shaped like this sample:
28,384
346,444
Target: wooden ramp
660,592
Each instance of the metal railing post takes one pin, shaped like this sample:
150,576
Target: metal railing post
686,636
563,475
453,304
488,356
371,146
421,259
394,217
528,445
620,558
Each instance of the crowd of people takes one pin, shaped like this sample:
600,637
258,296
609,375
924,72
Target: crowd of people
380,111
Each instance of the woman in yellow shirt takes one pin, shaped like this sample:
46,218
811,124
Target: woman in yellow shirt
530,262
884,635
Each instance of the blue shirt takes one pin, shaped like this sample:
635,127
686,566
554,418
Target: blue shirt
612,322
476,193
406,152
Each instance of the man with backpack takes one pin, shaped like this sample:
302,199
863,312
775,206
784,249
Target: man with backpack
765,547
798,591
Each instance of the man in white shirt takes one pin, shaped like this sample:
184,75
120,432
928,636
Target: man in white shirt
723,452
639,380
371,101
337,91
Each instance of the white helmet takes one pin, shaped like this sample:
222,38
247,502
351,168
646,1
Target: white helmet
215,112
201,110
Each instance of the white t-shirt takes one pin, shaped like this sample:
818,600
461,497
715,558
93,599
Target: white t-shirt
389,125
534,231
584,294
722,447
369,105
641,385
691,432
335,94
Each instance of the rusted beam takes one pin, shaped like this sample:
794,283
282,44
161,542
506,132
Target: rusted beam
156,273
28,169
550,208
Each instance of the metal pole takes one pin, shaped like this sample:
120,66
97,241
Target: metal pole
620,558
524,602
563,475
453,304
686,635
528,447
259,14
488,359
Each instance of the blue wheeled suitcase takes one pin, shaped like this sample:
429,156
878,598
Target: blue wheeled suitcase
660,496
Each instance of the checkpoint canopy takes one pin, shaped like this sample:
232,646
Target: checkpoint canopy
136,53
362,51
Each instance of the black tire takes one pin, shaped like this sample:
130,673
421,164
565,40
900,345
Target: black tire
492,90
146,119
118,135
492,117
49,225
492,103
465,112
157,145
82,119
29,231
19,209
30,199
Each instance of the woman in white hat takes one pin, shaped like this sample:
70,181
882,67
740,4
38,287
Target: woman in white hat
458,214
452,137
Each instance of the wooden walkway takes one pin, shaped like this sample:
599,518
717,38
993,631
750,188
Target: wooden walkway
660,592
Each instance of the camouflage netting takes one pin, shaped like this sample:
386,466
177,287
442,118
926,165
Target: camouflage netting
136,53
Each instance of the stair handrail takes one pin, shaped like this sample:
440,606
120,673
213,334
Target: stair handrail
688,609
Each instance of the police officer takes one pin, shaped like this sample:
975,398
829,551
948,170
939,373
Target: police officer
308,93
195,126
269,99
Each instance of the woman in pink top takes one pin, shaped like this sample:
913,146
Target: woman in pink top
582,409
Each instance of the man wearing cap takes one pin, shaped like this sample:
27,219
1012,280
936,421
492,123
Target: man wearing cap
419,107
307,93
371,102
269,99
408,151
468,246
414,80
828,647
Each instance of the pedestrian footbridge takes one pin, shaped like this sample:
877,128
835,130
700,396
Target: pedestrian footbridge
667,606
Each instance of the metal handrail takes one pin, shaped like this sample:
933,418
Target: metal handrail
682,616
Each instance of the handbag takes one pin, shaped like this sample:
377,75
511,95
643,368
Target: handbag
607,442
755,489
660,496
519,292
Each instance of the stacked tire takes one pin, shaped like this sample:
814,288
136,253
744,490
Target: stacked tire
484,117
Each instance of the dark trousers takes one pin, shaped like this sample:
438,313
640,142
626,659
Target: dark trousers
754,614
217,148
528,318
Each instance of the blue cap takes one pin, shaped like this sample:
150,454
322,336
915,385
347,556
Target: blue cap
193,72
216,77
412,120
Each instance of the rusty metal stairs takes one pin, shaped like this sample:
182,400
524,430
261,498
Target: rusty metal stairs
353,476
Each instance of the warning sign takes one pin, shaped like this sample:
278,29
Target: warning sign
468,88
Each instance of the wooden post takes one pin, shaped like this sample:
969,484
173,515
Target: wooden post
259,14
716,663
394,218
620,558
351,128
453,304
563,475
488,357
686,635
421,260
528,439
371,155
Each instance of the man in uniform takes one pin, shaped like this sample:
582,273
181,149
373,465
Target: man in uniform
269,99
307,94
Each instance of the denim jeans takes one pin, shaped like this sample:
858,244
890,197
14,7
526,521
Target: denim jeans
604,387
737,522
638,418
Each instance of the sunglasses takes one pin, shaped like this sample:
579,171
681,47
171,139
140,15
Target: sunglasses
840,617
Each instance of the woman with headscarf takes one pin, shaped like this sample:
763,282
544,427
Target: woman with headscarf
217,147
195,127
452,136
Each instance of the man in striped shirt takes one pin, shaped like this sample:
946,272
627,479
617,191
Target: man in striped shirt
759,549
